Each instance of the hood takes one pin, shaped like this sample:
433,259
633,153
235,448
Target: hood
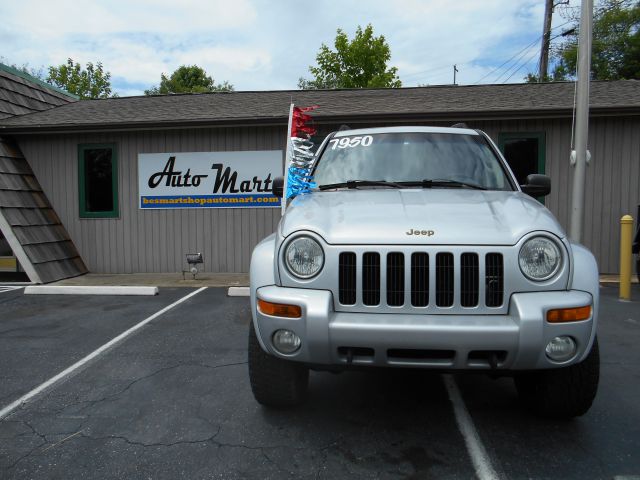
440,216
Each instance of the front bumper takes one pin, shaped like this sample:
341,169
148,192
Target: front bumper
515,341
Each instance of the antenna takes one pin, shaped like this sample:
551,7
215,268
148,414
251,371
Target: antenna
455,70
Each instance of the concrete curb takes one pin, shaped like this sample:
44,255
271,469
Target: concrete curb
238,292
84,290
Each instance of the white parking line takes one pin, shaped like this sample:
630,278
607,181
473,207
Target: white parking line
8,288
238,292
481,461
80,363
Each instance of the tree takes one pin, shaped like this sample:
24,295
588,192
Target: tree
615,43
25,68
92,82
188,79
357,63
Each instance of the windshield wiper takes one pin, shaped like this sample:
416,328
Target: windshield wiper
449,183
361,183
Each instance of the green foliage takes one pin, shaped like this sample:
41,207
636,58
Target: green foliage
359,63
92,82
615,44
188,79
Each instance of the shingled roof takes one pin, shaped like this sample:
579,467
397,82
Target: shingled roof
21,93
476,101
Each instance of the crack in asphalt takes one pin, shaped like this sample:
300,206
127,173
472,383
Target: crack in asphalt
109,397
155,444
44,441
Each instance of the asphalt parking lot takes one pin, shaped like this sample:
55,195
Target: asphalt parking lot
173,401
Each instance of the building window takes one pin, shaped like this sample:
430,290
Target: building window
98,180
525,153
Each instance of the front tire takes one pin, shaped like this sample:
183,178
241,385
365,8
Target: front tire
563,392
275,382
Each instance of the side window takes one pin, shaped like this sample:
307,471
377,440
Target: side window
525,153
98,180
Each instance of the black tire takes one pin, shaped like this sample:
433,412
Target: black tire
564,392
275,382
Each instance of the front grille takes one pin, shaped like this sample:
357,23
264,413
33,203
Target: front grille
440,278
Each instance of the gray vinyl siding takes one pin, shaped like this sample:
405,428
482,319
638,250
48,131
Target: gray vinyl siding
612,181
153,240
157,240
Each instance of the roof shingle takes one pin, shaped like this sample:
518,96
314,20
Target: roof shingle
273,106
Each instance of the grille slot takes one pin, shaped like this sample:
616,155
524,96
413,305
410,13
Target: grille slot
469,279
371,278
494,279
444,279
395,279
419,279
347,278
426,357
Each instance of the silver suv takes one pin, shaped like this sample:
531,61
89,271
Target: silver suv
416,248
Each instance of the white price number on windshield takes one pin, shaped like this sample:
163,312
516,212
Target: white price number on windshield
350,142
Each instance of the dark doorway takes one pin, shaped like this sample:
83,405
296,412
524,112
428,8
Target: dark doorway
524,153
10,270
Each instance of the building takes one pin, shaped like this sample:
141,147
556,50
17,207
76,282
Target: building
29,227
134,138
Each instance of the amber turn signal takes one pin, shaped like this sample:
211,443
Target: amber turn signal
279,309
569,314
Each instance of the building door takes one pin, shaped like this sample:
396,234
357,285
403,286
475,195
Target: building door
8,261
525,153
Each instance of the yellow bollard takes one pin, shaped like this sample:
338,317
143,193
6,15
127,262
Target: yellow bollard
626,235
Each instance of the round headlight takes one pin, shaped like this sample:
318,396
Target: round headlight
304,257
539,258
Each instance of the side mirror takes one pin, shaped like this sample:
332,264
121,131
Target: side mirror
537,185
278,187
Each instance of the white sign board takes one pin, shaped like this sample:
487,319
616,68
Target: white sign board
208,179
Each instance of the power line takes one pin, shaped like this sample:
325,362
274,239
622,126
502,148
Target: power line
531,58
526,62
518,54
430,70
516,62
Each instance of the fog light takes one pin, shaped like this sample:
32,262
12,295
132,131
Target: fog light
561,349
285,341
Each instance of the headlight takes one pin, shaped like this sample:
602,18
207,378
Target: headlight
539,258
304,257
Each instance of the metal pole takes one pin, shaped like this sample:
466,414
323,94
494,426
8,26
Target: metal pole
287,160
546,36
455,70
582,120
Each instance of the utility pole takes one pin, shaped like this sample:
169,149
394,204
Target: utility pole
455,70
582,120
546,40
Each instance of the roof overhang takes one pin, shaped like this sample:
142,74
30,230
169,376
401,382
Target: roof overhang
318,119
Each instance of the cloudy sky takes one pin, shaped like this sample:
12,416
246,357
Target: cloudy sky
269,44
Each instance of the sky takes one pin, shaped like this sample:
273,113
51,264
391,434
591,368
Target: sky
270,44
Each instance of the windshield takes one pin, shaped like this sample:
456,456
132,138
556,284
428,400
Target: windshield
411,157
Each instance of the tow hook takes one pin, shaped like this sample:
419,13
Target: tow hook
493,360
350,356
